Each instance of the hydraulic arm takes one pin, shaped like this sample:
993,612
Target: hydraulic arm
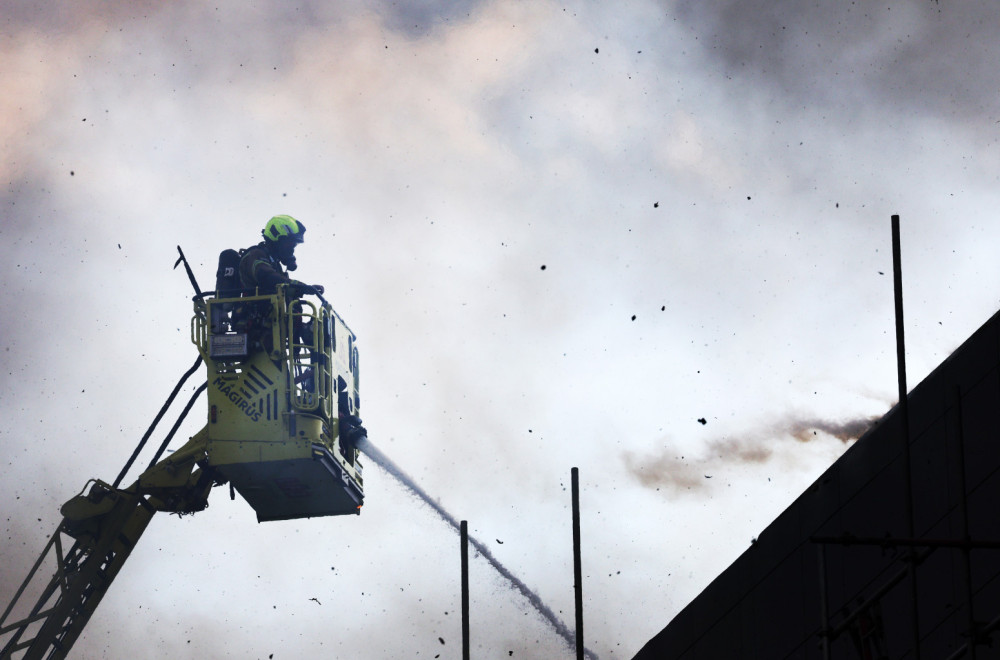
98,531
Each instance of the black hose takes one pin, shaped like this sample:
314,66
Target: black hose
190,273
156,420
177,424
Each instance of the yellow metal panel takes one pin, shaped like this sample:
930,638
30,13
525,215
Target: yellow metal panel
274,415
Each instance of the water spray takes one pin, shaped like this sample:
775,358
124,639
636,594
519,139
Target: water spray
394,470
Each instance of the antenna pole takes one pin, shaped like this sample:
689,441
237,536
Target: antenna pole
904,411
577,568
465,589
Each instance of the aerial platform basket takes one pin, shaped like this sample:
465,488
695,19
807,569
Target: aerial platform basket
282,396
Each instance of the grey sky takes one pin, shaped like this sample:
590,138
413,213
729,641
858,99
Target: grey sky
725,175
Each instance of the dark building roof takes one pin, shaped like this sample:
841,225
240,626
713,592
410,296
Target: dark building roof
802,591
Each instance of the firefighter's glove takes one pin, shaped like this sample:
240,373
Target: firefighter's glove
298,289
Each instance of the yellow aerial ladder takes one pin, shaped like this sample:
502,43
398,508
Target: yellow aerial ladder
283,421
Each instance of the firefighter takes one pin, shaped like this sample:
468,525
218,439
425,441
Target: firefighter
261,271
261,265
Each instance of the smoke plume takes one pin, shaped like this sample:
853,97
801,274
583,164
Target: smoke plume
679,474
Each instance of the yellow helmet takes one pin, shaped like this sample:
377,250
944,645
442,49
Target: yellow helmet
284,225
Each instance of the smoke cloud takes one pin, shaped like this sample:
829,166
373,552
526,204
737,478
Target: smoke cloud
917,55
682,474
707,185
